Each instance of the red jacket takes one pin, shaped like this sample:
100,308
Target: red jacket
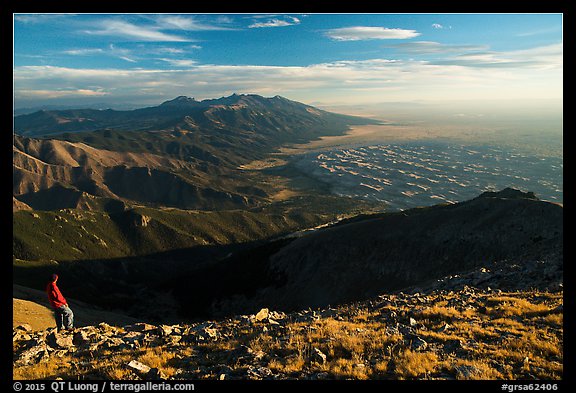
54,295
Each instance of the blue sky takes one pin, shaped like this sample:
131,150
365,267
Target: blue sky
321,59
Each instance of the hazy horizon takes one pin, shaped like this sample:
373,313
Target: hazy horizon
319,59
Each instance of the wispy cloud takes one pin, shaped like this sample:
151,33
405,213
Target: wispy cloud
84,52
429,47
39,18
358,33
121,28
438,26
552,29
182,63
48,94
275,22
175,56
544,57
190,23
112,51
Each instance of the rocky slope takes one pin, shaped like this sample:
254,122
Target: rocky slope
458,332
362,257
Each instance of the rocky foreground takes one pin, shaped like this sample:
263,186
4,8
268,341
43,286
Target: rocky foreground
456,328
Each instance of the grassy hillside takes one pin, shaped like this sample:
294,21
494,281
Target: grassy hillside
72,234
30,306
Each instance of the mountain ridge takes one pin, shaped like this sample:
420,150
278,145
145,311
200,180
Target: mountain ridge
172,113
389,251
120,158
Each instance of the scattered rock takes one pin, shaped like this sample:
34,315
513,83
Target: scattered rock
418,344
141,327
465,371
262,315
165,330
259,372
139,368
155,374
81,338
197,357
36,354
318,356
453,346
276,315
60,340
210,333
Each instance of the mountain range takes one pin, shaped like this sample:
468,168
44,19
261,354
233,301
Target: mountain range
253,117
157,203
183,153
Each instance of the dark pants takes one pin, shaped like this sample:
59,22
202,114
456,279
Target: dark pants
64,318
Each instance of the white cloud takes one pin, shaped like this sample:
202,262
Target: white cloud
188,23
179,62
547,30
544,57
287,21
425,47
39,18
358,33
528,73
438,26
83,52
47,94
120,28
134,54
125,58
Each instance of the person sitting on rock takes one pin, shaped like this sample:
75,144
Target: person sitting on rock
63,314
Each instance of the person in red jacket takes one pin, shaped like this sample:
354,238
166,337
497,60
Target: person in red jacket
63,314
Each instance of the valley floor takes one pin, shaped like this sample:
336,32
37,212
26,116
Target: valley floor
465,333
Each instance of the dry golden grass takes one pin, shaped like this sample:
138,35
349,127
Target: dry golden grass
43,370
287,365
507,306
348,369
158,358
555,319
515,337
439,312
410,364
